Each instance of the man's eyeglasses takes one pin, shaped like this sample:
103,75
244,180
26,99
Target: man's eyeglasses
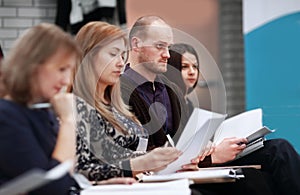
161,46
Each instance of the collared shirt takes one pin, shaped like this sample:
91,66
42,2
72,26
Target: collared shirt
156,96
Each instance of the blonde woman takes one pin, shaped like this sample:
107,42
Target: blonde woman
111,142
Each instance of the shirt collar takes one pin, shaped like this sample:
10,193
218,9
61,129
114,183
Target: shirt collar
134,76
139,79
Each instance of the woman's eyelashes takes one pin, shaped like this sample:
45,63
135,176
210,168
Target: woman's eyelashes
123,54
113,54
64,68
186,66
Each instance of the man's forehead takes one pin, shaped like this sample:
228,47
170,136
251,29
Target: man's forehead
161,33
159,27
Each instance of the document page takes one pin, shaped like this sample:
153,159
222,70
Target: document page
198,131
241,125
180,187
201,176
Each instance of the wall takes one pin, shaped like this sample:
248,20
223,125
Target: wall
18,15
272,45
232,54
197,18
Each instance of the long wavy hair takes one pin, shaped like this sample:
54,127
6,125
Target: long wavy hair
92,37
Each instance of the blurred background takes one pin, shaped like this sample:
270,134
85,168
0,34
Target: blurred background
255,45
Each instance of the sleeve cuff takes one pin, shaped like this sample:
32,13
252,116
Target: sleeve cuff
206,162
126,168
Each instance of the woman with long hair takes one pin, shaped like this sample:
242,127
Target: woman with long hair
183,69
111,141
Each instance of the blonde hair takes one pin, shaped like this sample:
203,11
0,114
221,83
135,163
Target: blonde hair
37,45
91,38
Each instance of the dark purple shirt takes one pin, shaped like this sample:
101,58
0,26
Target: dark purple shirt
156,95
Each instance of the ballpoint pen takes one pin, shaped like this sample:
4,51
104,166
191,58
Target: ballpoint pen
170,140
39,105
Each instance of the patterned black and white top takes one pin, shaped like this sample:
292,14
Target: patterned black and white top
102,151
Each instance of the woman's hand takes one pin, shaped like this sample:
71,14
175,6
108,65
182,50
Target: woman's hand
117,180
64,106
228,149
193,166
210,148
156,160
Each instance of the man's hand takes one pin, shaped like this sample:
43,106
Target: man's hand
228,149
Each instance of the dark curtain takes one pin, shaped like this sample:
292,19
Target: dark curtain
100,14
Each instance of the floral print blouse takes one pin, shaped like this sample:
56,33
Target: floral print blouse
102,151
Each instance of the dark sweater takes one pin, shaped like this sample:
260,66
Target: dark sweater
140,108
27,140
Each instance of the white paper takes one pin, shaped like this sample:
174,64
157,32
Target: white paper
221,173
59,171
198,131
240,126
178,187
259,143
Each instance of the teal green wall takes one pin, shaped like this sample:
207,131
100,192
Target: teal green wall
272,54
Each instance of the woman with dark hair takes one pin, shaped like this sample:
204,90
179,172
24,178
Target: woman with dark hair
183,69
276,155
1,53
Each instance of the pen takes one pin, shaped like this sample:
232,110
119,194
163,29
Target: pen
170,140
40,106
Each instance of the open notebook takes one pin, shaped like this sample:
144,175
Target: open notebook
34,179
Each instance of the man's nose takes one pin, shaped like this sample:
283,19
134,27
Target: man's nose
166,53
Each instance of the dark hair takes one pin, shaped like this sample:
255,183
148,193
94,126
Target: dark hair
176,52
1,53
2,91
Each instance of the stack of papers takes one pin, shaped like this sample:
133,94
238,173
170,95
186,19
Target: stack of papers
178,187
245,125
214,175
204,126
